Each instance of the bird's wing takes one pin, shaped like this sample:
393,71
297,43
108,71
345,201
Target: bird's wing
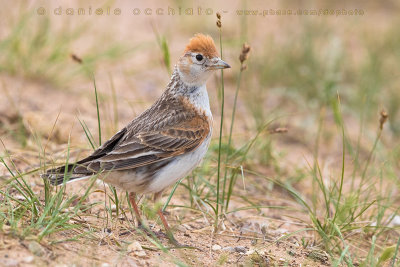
174,136
98,153
106,147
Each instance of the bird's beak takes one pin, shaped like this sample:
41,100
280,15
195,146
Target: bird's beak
219,64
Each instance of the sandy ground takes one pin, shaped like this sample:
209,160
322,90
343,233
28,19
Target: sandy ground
249,237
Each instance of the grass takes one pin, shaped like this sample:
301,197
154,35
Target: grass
243,56
334,174
28,215
36,50
218,200
163,45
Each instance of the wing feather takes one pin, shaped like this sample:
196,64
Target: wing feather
170,128
147,147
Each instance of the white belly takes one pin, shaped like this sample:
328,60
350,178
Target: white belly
179,168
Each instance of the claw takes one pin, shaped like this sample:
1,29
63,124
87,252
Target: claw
172,239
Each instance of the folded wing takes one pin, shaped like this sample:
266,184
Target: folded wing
146,147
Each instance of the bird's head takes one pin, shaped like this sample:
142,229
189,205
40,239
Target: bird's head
199,60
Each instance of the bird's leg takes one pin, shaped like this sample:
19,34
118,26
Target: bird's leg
160,213
170,235
132,199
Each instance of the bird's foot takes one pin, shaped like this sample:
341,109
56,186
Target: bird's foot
144,228
172,239
163,235
175,242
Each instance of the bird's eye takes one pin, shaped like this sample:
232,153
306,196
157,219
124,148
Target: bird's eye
199,57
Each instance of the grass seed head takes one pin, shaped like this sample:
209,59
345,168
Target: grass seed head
76,58
383,118
244,55
278,130
219,24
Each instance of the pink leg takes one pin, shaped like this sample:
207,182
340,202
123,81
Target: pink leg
167,229
132,199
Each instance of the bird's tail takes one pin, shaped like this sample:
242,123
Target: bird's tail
66,173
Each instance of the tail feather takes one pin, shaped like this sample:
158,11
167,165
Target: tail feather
58,175
71,173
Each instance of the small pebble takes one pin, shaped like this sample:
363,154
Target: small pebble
36,249
281,231
142,263
181,228
240,249
229,249
28,259
69,209
187,226
6,228
395,221
291,253
137,249
19,197
140,253
134,246
216,247
10,263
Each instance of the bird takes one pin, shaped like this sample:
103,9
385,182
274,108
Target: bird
165,142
